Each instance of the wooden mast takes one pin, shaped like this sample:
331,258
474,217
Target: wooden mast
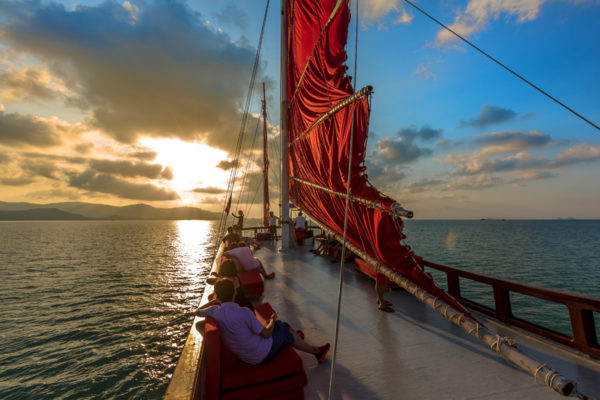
266,203
285,201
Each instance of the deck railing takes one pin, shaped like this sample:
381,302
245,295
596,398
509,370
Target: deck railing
581,308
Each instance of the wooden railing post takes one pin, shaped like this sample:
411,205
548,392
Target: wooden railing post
502,302
453,284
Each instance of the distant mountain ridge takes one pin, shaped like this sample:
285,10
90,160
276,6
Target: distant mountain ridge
86,211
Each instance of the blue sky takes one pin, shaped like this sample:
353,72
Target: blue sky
139,101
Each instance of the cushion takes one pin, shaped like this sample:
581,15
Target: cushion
263,312
238,374
289,387
212,340
252,282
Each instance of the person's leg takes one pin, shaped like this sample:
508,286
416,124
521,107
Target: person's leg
299,343
263,272
381,288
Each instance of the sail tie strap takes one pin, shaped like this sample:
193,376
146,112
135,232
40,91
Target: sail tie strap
366,91
396,210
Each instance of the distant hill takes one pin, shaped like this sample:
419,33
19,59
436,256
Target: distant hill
45,214
79,210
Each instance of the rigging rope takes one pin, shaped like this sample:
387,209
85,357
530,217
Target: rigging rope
503,66
343,252
240,139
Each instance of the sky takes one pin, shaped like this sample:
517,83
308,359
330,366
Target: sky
141,102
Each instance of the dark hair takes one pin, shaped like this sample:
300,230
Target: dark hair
228,269
224,290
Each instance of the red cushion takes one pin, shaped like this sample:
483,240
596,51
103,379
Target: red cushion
212,339
263,312
239,374
277,389
251,282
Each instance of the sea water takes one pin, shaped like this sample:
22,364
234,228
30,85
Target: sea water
101,309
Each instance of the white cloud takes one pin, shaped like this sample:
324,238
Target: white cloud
478,13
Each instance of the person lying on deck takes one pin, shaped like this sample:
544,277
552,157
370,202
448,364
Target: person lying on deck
246,336
245,259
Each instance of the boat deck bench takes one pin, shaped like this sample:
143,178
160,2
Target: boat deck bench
230,378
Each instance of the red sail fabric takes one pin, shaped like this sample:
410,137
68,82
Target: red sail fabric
322,156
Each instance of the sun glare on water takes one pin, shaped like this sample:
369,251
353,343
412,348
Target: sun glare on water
194,164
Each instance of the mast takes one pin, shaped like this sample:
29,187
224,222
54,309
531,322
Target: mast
285,202
266,204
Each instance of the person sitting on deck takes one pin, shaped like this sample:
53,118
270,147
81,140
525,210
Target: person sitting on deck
231,237
246,336
300,222
245,259
240,218
272,220
229,271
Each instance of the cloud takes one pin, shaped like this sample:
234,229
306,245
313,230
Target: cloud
478,13
424,72
84,148
104,183
403,149
226,164
511,141
156,70
131,170
385,177
489,115
147,155
40,168
473,164
27,83
533,176
482,181
423,185
28,130
232,13
209,190
372,10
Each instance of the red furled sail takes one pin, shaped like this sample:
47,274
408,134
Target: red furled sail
319,152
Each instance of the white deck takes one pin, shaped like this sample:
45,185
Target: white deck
413,353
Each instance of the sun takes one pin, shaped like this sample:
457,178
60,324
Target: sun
194,165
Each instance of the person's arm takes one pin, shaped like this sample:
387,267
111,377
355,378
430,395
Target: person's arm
267,331
204,310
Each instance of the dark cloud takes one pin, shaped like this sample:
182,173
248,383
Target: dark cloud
400,151
424,133
482,181
131,170
40,168
147,155
17,181
226,164
104,183
19,130
489,115
404,149
84,148
159,71
209,190
46,156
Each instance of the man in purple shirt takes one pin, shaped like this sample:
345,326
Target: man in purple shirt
246,336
